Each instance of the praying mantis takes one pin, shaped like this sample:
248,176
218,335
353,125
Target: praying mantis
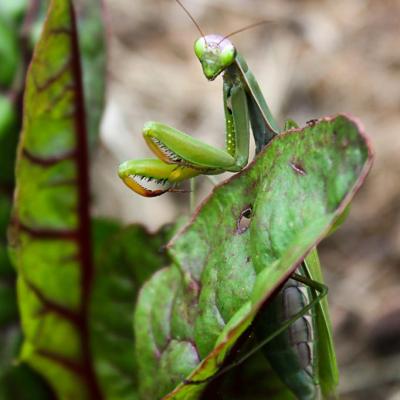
181,156
298,343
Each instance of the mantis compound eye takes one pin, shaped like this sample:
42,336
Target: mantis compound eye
200,47
228,54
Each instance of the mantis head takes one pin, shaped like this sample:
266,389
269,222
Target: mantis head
215,53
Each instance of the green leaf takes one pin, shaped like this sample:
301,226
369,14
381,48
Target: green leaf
13,10
51,226
124,260
8,116
9,126
9,52
224,271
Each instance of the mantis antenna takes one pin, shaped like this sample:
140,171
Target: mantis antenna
191,17
226,36
243,29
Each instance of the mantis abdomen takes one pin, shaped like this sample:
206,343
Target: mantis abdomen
292,353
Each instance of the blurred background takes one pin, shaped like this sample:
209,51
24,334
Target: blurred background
315,58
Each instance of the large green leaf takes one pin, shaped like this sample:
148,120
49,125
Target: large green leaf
92,49
189,315
51,225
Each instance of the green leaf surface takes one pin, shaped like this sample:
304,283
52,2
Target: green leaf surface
224,270
9,126
9,52
124,260
17,381
51,226
8,116
13,10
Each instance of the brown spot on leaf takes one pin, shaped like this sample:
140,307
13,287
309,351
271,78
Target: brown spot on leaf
298,168
244,220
